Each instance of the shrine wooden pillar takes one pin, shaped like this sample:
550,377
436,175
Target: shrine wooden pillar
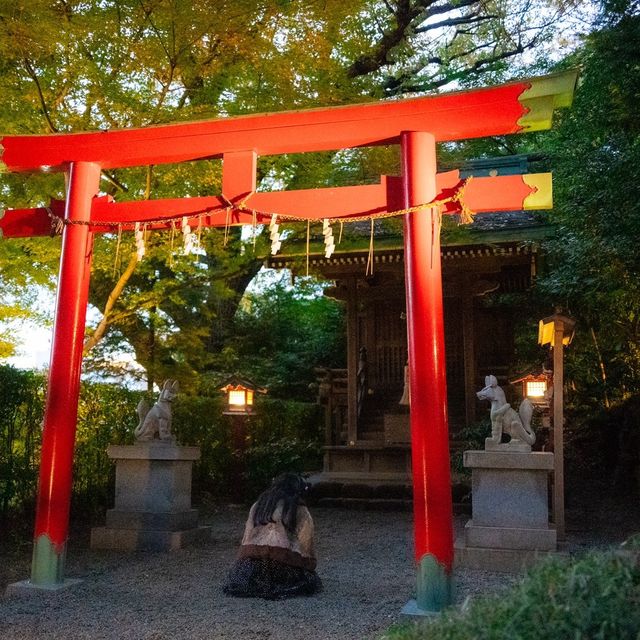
469,351
353,348
432,507
61,409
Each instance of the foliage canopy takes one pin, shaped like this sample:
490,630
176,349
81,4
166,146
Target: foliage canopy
69,65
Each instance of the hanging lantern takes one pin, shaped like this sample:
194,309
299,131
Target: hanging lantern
240,396
535,388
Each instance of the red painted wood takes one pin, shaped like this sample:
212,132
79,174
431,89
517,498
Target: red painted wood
500,193
58,437
432,508
239,175
453,116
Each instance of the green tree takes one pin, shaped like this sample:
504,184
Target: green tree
594,267
283,332
69,65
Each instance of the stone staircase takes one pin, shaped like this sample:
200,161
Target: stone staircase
375,471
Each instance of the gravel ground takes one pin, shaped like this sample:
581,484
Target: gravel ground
365,562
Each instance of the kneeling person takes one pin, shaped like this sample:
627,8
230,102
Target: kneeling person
276,557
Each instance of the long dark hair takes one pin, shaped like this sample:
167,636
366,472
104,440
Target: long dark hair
288,488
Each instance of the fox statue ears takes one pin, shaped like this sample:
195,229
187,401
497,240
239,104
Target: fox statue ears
490,381
171,386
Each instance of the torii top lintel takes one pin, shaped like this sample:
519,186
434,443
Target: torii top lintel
510,108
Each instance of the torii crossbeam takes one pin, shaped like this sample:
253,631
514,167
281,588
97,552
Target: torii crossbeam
416,124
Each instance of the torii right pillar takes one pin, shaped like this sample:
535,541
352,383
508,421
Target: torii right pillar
432,506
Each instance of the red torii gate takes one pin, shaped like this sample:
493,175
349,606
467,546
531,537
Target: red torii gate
416,124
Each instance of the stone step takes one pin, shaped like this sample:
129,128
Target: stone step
391,492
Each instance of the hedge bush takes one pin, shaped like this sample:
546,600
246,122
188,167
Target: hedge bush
21,403
594,597
283,435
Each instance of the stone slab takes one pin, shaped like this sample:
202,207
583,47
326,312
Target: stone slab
147,540
412,611
167,521
513,498
27,588
500,560
154,450
508,460
160,485
509,538
506,447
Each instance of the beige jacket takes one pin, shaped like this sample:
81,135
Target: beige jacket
273,541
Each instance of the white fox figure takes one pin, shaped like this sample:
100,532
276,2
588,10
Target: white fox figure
157,420
503,417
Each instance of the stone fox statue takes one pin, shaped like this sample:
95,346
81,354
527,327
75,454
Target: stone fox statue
157,420
503,418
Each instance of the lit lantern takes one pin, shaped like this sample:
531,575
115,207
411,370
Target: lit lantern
240,396
547,328
534,388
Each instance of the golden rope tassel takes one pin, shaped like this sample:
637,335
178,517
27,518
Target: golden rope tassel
308,234
115,262
57,223
242,206
369,270
227,224
466,214
341,230
173,235
254,228
436,224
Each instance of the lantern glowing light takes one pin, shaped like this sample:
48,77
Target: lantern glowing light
240,397
535,388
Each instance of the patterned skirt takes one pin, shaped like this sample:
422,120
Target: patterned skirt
269,579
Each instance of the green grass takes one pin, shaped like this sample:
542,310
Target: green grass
594,597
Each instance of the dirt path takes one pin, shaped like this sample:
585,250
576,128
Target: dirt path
365,562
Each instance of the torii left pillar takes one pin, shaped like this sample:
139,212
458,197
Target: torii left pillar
61,410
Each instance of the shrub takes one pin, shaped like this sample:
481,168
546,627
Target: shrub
282,436
21,405
106,415
594,597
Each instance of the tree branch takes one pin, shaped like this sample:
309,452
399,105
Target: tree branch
107,318
43,105
452,22
405,17
114,181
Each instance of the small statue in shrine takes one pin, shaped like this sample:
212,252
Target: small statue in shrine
504,419
404,401
156,422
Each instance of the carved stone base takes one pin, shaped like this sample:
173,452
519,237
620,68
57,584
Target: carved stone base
147,539
152,499
501,560
510,524
509,538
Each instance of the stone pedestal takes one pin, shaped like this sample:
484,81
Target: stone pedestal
152,508
509,528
